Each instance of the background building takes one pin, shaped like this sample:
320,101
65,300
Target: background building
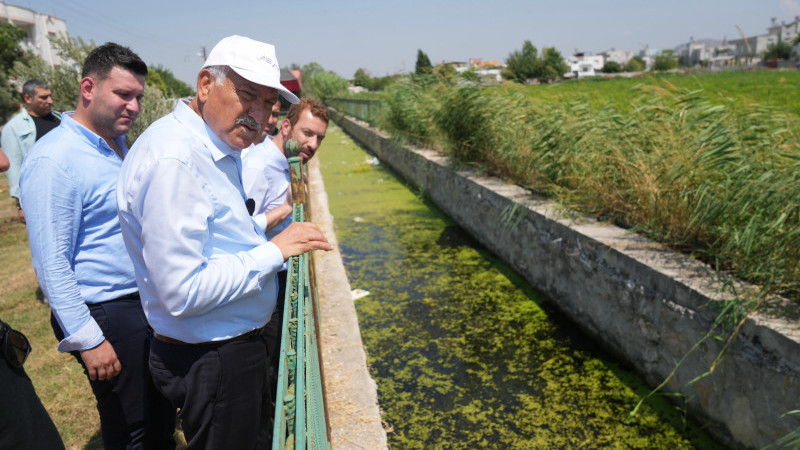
39,28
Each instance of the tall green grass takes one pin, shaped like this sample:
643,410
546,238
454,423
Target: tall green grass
703,170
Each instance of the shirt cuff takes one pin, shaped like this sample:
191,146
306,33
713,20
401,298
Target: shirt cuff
268,258
261,221
88,337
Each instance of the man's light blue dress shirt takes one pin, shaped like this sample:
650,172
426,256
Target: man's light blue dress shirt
68,192
266,178
204,269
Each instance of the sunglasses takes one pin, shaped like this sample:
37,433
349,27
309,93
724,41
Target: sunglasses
14,345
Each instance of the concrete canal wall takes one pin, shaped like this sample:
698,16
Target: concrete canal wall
648,305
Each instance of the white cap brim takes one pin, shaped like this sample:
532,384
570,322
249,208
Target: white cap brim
261,79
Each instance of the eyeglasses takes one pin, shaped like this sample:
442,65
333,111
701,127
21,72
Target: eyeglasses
14,345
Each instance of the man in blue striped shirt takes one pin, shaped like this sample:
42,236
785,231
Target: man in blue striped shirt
68,191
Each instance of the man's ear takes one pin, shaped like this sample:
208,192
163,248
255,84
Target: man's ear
27,99
87,88
204,85
286,129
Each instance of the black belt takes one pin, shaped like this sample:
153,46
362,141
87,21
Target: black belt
243,337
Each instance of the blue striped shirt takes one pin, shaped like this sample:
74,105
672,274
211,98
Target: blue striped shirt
68,192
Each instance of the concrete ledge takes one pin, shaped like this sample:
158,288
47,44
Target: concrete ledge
351,393
647,304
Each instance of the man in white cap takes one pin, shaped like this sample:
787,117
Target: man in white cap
205,270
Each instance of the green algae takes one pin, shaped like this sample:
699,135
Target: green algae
464,352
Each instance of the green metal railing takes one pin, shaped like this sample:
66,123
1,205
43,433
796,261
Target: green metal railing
300,406
364,109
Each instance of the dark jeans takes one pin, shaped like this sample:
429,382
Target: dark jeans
24,423
273,333
133,414
221,390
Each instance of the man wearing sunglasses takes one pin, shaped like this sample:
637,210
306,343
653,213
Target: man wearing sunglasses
24,423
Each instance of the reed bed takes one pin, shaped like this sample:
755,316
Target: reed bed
714,173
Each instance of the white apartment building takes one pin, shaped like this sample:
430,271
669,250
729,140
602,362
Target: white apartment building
620,57
786,32
582,65
39,27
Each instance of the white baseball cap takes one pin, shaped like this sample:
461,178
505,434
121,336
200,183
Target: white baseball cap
253,60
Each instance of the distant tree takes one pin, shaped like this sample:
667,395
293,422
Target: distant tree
10,53
154,79
666,60
781,50
423,65
553,60
64,80
380,84
175,87
635,64
611,67
523,64
311,69
322,84
362,78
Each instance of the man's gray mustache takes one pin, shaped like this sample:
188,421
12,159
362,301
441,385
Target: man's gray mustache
249,122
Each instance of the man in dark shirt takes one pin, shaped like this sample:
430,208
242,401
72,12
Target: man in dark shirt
19,134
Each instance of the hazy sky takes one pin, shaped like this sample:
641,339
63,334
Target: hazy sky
383,36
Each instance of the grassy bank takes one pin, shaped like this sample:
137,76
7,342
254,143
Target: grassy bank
708,164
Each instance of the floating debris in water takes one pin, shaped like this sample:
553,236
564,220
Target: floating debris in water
358,219
374,161
358,293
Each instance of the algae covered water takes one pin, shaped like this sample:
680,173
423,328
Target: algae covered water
466,354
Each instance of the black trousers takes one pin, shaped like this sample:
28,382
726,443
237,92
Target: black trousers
24,423
133,414
273,333
222,391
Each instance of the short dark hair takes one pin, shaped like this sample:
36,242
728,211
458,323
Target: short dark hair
101,60
29,88
316,107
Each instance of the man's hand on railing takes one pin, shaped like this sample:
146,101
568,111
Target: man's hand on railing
300,237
